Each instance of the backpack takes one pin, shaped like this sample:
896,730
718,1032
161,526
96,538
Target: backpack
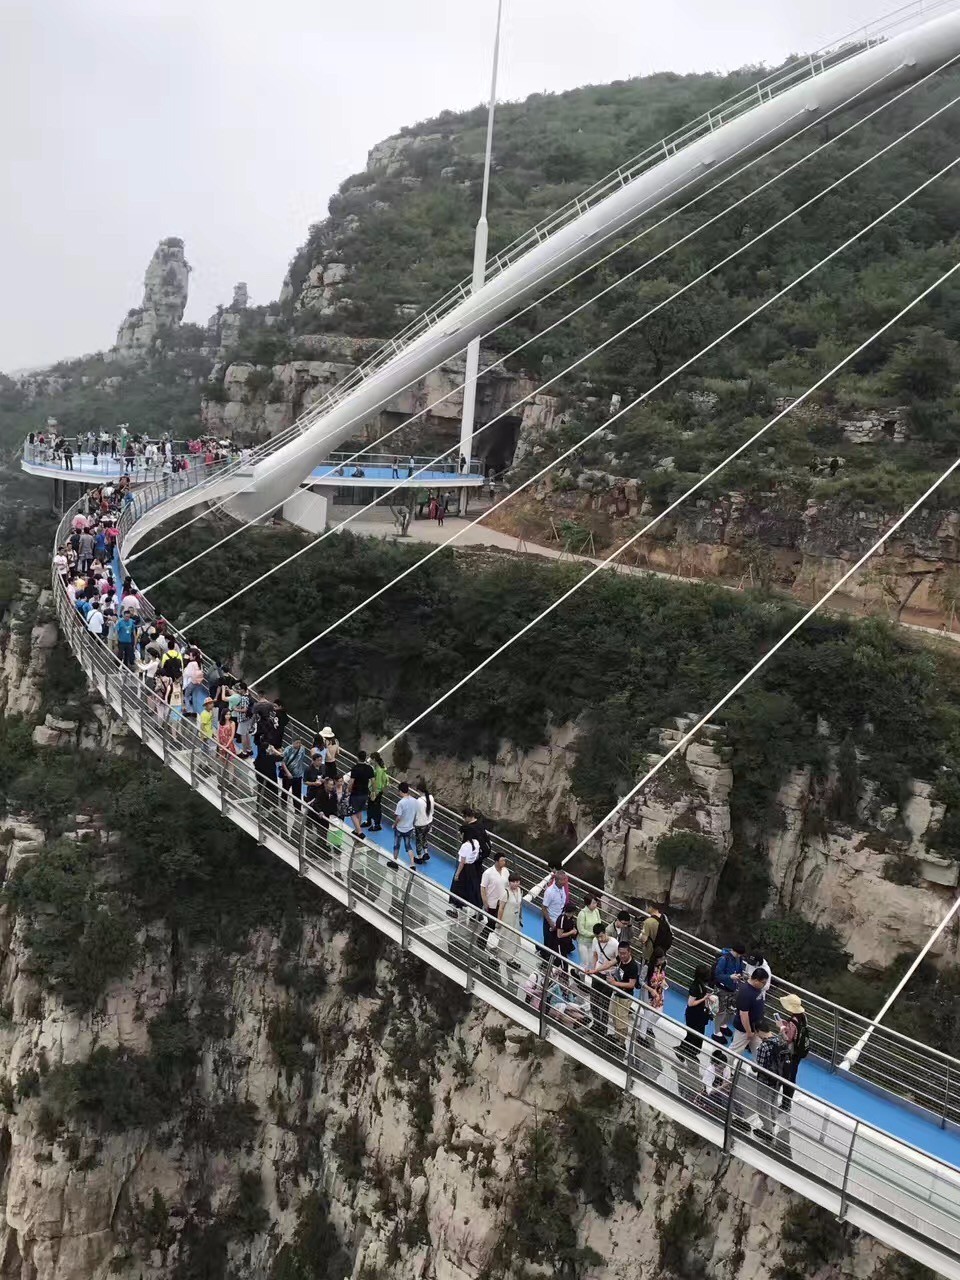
173,667
801,1043
664,939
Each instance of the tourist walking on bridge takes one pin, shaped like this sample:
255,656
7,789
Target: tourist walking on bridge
424,819
511,914
554,905
795,1032
377,787
750,1011
404,820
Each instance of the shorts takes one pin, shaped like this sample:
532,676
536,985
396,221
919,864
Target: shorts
246,727
359,802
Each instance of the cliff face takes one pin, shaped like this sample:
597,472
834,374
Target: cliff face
832,873
338,1079
260,400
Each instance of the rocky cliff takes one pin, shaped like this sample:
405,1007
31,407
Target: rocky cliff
207,1070
165,287
875,880
336,1096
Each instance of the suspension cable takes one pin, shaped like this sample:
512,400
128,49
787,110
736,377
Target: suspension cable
563,373
757,666
300,426
699,484
620,413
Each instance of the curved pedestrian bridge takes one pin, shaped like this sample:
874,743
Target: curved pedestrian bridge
877,1143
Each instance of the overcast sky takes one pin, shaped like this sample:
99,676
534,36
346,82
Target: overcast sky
231,122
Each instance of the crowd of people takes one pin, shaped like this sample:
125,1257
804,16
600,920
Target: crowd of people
132,452
610,975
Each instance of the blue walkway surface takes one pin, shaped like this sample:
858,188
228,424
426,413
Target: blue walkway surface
841,1089
384,475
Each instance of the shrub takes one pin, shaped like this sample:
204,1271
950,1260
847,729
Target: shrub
803,950
288,1027
316,1252
78,936
901,869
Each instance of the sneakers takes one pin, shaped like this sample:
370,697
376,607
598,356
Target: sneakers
393,866
425,858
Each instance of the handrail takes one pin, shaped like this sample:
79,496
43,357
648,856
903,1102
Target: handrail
905,1195
931,1075
780,81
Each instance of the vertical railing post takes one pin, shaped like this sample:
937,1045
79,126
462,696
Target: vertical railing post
351,896
835,1045
477,928
728,1117
846,1173
946,1099
547,970
302,842
632,1040
404,930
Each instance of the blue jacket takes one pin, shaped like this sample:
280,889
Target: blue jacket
727,968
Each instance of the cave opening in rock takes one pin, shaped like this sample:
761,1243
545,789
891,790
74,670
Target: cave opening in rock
497,444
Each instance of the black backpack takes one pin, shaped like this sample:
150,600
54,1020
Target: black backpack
801,1042
664,938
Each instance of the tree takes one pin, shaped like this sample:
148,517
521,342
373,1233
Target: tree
946,588
925,367
686,851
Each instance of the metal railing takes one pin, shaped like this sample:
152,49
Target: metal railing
401,462
912,1072
797,72
903,1195
788,77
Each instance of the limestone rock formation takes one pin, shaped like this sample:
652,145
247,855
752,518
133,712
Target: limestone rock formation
223,327
164,301
262,400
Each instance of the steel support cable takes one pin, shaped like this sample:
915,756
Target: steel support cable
626,409
314,412
557,377
651,524
300,426
757,666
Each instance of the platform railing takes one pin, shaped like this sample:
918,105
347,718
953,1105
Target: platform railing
881,1183
913,1072
402,463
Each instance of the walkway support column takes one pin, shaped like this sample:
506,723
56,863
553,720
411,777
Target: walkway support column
479,278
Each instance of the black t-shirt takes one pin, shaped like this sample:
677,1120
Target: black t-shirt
326,802
312,773
566,922
362,775
624,972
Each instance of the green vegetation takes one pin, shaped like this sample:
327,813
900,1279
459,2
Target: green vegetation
78,933
541,1225
625,658
810,1238
315,1252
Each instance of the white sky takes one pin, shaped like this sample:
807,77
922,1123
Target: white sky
231,123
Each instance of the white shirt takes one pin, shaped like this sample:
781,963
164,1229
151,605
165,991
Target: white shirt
555,902
192,673
95,622
602,954
493,887
424,815
405,813
60,563
469,852
748,970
